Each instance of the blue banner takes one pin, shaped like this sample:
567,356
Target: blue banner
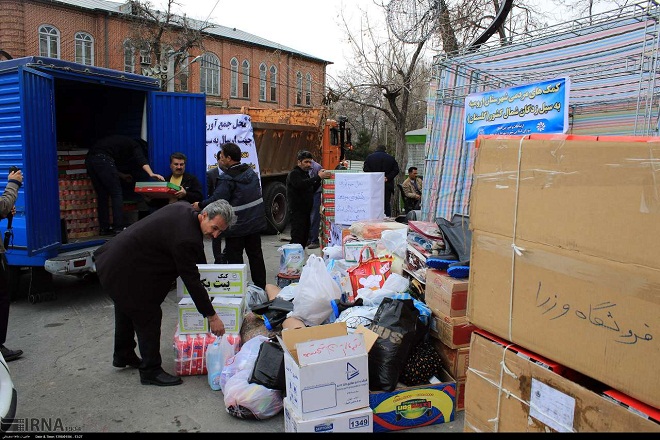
533,108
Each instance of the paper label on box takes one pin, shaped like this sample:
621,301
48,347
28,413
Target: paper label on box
551,407
321,350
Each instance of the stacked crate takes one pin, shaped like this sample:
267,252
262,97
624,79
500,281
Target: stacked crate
77,195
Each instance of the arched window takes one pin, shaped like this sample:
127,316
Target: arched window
308,89
262,82
299,88
84,47
233,66
49,41
245,78
273,83
210,74
129,57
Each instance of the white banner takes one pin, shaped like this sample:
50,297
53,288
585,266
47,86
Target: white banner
236,128
359,196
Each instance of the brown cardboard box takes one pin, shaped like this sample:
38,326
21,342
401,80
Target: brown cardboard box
526,397
453,332
446,294
454,360
582,285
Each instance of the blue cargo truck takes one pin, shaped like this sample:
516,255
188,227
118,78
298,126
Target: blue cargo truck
53,110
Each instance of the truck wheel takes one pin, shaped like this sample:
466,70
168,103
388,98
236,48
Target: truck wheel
277,215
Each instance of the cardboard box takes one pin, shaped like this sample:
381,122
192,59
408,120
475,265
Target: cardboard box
506,392
583,287
415,262
359,420
326,369
454,360
446,294
230,310
411,407
453,332
219,280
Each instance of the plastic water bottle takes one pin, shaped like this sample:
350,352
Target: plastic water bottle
214,363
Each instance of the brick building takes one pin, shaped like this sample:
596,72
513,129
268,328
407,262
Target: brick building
235,69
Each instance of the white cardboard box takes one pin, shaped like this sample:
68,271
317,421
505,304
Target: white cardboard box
230,310
359,420
326,369
219,280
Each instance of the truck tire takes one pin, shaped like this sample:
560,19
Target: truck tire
277,213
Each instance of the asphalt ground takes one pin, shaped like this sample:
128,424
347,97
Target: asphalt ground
66,383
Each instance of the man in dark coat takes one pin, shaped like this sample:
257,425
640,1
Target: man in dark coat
104,161
300,187
137,269
191,188
240,186
377,161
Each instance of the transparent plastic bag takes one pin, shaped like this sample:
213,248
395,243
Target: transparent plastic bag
316,289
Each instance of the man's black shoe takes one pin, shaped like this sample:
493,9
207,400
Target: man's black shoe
132,361
10,355
161,379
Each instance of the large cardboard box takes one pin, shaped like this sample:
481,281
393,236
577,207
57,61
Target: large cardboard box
453,332
219,280
358,420
326,369
445,293
506,392
566,254
411,407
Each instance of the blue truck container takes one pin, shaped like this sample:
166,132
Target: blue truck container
48,104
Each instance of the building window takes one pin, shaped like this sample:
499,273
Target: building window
129,57
145,56
210,74
273,83
182,74
262,82
299,89
233,66
49,41
84,48
245,78
308,90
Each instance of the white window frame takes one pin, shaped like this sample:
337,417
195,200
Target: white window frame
245,79
209,74
129,57
273,83
299,88
262,82
233,68
49,41
84,48
308,89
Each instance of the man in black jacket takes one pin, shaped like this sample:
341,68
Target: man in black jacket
212,179
159,248
240,186
300,187
191,188
377,161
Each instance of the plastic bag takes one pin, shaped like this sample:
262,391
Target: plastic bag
396,323
395,241
242,360
316,289
269,366
246,400
220,350
394,284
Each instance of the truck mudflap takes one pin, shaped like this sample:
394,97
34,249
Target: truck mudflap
77,262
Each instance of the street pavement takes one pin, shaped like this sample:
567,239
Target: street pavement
66,382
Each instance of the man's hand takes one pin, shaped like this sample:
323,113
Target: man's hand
216,324
180,194
16,175
157,177
125,177
196,206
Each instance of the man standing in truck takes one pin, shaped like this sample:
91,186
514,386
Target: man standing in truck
191,188
104,159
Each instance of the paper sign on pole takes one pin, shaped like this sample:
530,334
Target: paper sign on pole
359,196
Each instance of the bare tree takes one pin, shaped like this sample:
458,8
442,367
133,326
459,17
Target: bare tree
165,39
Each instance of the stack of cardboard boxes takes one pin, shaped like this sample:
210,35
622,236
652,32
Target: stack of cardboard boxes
227,286
565,264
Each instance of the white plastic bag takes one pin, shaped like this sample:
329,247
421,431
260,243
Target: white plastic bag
244,359
246,400
394,284
316,289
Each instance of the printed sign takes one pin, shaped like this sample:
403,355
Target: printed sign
236,128
534,108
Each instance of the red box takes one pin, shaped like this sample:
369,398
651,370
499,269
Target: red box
454,332
446,294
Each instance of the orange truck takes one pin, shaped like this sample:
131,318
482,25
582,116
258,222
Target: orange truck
278,135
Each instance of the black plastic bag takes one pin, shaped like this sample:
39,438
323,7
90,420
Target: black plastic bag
399,330
269,366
